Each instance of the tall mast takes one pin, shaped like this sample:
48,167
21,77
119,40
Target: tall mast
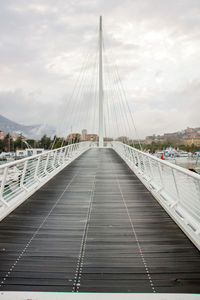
100,86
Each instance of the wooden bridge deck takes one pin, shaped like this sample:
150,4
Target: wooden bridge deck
95,228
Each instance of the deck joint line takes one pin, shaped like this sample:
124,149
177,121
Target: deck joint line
79,266
137,240
35,233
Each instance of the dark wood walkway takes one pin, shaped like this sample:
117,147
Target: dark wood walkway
95,228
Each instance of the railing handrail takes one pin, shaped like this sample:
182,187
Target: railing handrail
164,162
10,164
22,178
175,188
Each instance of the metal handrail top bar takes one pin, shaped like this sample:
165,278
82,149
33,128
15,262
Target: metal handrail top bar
178,168
10,164
31,173
176,189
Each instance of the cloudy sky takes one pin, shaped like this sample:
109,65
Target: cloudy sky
154,43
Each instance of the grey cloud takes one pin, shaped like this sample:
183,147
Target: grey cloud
43,42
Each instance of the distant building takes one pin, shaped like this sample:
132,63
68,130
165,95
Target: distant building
14,137
188,136
170,135
73,137
122,139
192,138
91,137
2,135
108,139
84,133
189,130
135,142
148,140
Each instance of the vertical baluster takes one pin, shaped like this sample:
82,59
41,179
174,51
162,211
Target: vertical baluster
37,168
139,162
133,155
46,164
54,159
70,151
176,187
161,177
143,163
151,170
3,182
65,154
23,176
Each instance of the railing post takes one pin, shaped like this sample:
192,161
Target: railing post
72,150
23,176
46,164
69,152
125,152
64,155
54,159
36,169
139,162
129,155
5,172
146,168
177,191
133,157
161,177
143,161
60,156
150,167
75,150
122,151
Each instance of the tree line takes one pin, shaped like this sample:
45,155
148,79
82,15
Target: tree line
9,145
160,146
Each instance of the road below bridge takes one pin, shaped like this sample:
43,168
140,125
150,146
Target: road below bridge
95,228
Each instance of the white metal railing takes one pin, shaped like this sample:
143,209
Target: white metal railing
21,178
176,189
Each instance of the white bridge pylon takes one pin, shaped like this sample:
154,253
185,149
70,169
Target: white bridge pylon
98,103
100,87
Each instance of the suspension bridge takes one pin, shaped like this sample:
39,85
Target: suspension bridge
99,217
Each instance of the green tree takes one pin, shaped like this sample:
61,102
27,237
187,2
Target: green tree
18,144
33,143
8,144
76,139
1,146
45,142
58,143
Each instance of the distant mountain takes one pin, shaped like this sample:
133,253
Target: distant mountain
34,131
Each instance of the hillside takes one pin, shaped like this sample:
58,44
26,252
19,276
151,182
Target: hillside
34,131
